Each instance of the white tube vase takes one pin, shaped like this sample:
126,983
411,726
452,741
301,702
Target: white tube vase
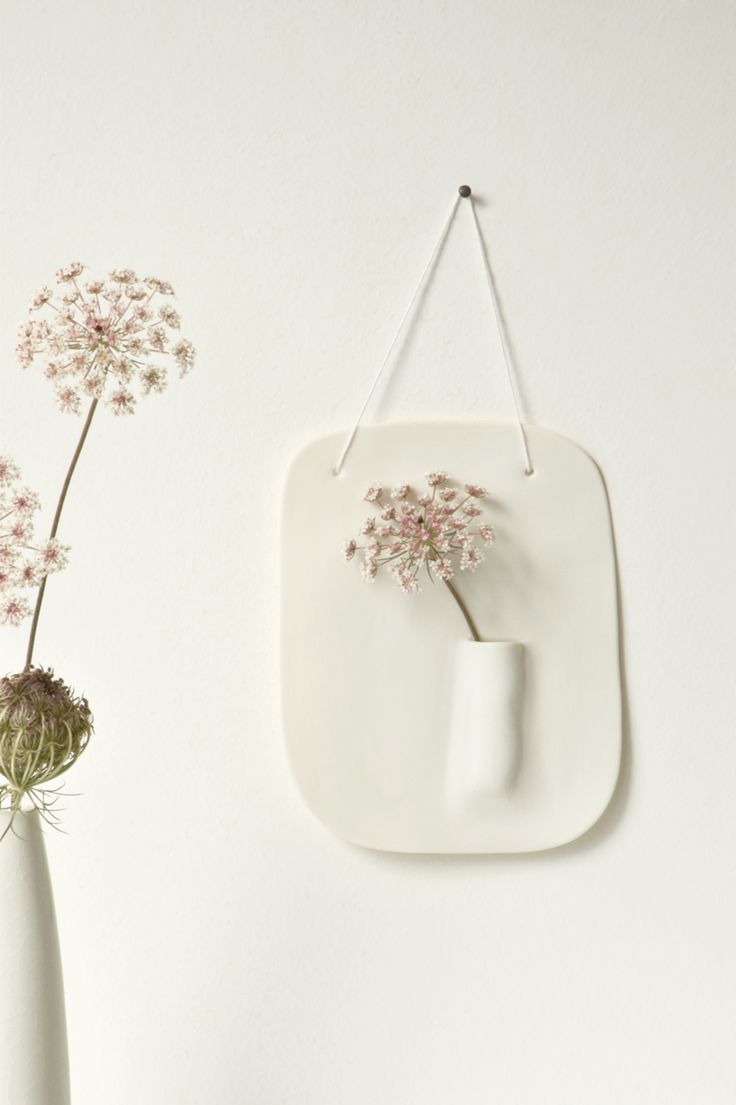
485,722
33,1044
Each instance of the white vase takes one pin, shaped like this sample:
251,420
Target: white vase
34,1066
485,721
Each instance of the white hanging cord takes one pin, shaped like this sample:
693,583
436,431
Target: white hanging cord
427,269
505,348
464,192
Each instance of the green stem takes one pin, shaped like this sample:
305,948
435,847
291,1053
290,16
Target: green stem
465,612
55,526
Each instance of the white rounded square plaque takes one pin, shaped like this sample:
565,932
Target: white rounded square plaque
373,726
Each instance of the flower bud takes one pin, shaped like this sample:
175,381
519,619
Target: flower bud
44,728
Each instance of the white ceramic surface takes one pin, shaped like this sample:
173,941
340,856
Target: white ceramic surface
485,730
367,671
34,1067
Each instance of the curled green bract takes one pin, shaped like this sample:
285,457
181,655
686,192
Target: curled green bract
44,729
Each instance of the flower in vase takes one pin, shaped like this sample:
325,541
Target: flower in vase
24,564
114,338
438,531
44,728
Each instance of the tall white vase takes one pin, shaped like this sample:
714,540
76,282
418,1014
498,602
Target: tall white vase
34,1066
485,722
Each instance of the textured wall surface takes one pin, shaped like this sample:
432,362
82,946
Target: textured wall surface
287,165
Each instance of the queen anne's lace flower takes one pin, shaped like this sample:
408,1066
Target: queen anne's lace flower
23,563
44,728
102,339
430,531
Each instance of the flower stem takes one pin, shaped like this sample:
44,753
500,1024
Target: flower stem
465,612
55,526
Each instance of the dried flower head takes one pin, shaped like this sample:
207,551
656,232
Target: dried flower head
103,338
430,531
23,563
44,729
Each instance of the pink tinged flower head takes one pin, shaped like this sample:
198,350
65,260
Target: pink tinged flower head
28,575
107,339
157,338
475,491
121,402
348,549
53,556
69,272
14,610
93,385
23,564
430,532
42,297
123,371
24,353
471,558
369,569
406,577
25,501
184,355
443,567
161,286
153,379
18,530
9,471
169,316
123,276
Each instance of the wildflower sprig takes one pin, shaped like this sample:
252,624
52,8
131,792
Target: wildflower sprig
98,340
103,338
436,532
24,562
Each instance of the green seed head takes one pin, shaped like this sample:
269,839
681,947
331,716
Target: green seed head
44,729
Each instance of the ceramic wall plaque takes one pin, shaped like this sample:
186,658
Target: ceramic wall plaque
402,734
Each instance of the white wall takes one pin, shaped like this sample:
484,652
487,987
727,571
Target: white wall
286,165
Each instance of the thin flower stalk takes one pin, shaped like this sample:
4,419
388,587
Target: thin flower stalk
54,527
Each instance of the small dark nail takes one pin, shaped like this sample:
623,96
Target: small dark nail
464,190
